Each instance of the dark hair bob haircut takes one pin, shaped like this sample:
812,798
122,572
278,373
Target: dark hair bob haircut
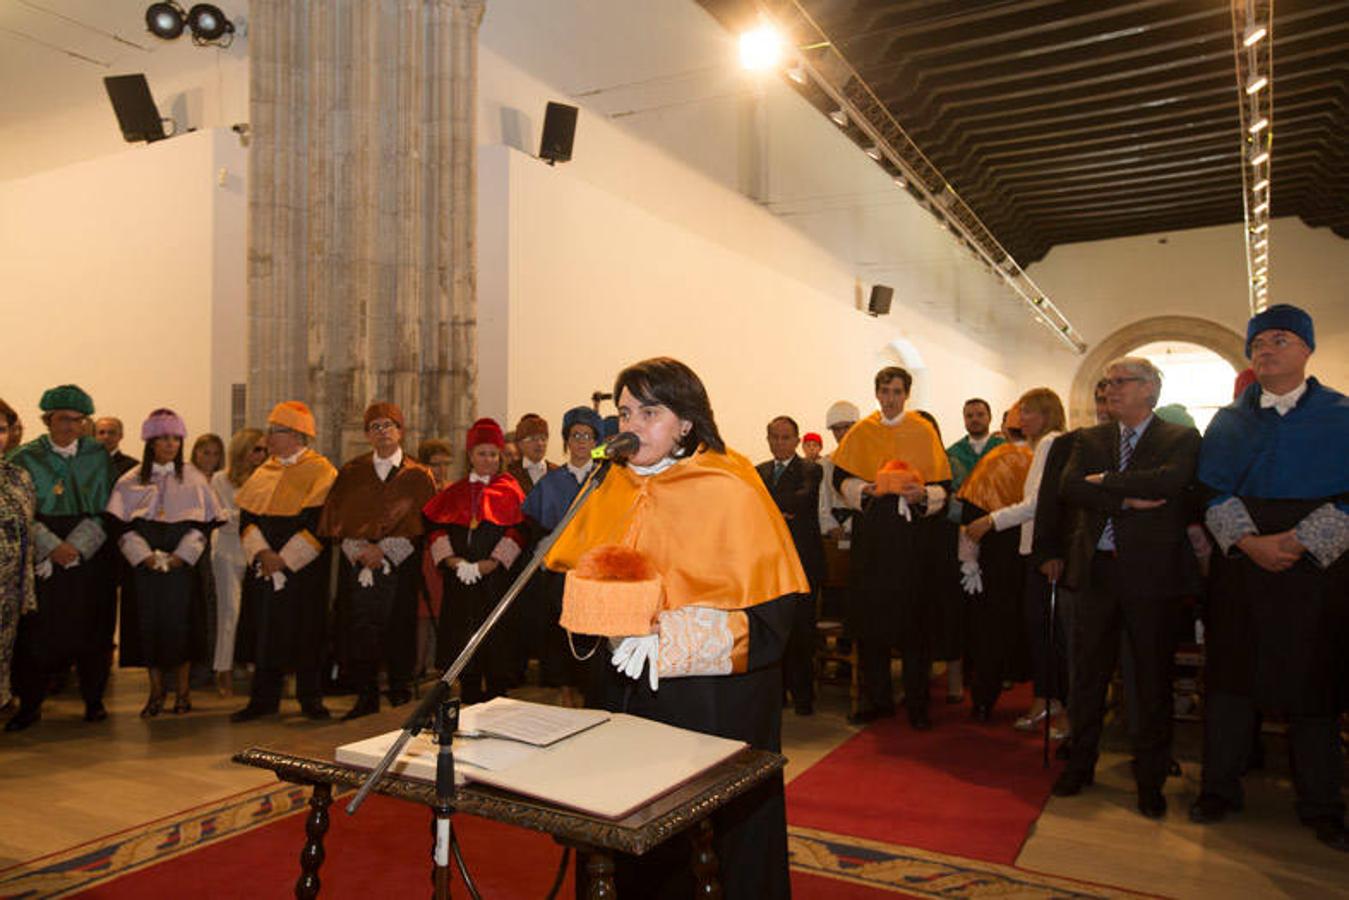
670,383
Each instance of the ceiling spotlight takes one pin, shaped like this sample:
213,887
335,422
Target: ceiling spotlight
208,24
797,73
874,152
165,20
760,48
1256,83
1253,34
839,117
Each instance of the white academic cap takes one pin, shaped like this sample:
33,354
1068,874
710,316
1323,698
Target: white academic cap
842,411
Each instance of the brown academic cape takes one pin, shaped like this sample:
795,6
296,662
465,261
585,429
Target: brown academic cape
361,506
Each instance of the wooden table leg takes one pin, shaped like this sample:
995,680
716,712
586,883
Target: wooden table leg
315,827
707,883
600,875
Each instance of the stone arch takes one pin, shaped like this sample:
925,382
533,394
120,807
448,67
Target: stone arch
1218,338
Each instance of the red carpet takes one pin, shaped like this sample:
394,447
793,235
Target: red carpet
963,788
384,851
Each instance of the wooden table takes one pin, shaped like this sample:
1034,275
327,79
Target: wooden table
308,759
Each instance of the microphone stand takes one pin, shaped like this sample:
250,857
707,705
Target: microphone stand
438,709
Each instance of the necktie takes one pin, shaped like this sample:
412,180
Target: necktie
1126,452
778,469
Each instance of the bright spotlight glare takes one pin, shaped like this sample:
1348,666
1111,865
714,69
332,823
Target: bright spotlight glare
760,48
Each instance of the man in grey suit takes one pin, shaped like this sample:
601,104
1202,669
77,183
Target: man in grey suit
1127,484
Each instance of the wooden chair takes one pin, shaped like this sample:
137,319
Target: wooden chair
829,653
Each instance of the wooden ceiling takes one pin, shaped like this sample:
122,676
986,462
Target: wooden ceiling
1062,120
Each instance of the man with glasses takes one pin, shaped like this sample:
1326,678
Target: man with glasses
374,513
544,508
1275,629
1129,558
283,623
73,477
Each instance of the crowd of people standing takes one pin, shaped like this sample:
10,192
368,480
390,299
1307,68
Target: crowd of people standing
1031,553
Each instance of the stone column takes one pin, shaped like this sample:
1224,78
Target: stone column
362,275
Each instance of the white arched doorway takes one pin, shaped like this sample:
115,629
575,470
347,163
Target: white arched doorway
1226,344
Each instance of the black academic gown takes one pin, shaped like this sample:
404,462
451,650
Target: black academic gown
285,629
750,832
161,622
464,607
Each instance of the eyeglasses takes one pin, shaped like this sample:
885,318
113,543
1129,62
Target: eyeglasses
1273,342
1121,381
584,437
280,429
380,425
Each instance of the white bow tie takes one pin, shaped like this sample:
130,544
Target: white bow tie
480,479
1281,403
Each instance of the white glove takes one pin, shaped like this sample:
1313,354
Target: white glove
72,564
365,577
633,654
43,569
278,578
967,551
971,578
467,573
903,510
160,561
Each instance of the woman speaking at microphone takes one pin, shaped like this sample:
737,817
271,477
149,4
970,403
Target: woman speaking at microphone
699,514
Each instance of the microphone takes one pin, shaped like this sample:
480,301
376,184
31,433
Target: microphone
619,446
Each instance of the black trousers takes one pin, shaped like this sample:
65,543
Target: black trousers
266,689
1050,681
1103,610
873,653
32,670
1313,744
798,661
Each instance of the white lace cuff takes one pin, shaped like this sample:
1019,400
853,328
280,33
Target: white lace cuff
1325,533
1229,522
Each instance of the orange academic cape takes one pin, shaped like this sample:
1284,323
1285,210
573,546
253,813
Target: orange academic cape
871,443
999,478
707,524
275,489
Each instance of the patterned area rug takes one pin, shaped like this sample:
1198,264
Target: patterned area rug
872,866
65,873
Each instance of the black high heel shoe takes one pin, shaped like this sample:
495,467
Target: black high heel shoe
182,705
153,707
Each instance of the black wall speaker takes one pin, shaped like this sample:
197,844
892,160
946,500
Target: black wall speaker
879,304
135,108
559,128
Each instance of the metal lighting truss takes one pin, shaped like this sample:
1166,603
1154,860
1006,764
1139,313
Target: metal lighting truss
1253,48
887,143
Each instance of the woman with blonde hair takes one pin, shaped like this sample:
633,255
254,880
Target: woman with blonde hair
1042,420
247,450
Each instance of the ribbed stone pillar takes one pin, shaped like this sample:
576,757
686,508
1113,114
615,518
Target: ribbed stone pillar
362,270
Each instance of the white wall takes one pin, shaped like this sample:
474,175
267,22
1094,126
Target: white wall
124,275
1106,285
590,281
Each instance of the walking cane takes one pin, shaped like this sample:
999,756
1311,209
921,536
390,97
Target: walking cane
1050,668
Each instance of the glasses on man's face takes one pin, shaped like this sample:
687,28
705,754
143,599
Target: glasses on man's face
1272,342
1121,381
280,429
582,437
381,425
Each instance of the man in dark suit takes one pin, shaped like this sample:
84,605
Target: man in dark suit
1126,484
795,486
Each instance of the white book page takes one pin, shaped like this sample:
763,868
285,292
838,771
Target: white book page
530,723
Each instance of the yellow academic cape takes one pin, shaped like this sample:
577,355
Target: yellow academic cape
275,489
999,478
871,443
707,524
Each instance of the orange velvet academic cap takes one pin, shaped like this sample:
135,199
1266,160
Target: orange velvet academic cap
294,415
